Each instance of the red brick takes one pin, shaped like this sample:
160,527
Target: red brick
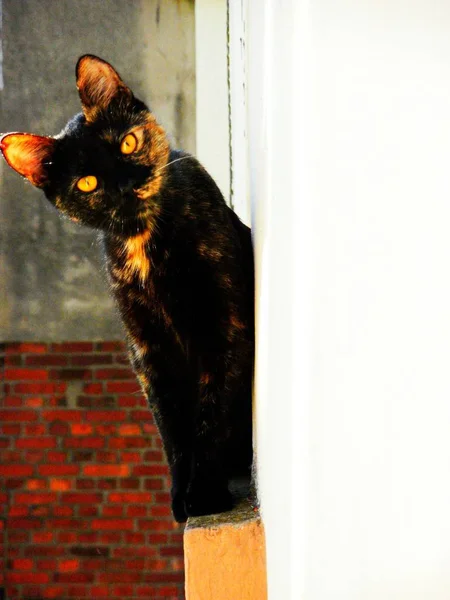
46,564
136,510
71,347
99,591
130,429
65,523
153,484
163,577
12,402
112,511
16,470
24,523
31,498
162,498
68,566
12,430
130,497
33,402
42,537
56,457
18,374
36,484
172,551
114,373
158,539
133,457
60,428
47,360
87,360
123,591
18,578
107,484
130,483
128,401
22,564
17,537
63,511
74,577
60,485
106,470
111,577
35,429
17,416
53,591
160,510
67,537
143,416
85,484
81,498
106,415
84,442
125,387
153,456
58,470
87,510
62,415
36,442
81,428
110,346
152,469
39,388
71,374
127,442
93,388
26,347
112,524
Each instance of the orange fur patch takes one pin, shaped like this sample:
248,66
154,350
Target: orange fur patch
136,259
205,378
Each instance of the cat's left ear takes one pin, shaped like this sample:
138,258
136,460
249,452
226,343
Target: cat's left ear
29,155
98,84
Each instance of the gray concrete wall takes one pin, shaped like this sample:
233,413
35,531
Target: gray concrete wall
52,285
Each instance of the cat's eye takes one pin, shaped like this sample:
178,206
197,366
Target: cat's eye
129,144
87,184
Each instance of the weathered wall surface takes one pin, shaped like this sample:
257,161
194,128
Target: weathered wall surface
51,281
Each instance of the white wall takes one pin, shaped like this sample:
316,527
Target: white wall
349,133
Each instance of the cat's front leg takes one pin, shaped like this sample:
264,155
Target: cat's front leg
208,488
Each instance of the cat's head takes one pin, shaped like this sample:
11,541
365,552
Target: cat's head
106,167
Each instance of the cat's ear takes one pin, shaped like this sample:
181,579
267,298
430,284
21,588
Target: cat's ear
28,154
98,83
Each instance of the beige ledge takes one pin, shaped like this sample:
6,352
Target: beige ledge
225,557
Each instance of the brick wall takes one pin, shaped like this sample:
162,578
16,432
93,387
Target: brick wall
84,493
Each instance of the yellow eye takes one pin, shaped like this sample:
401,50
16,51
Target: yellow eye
129,144
87,184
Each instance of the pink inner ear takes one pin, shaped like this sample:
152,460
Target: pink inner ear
27,154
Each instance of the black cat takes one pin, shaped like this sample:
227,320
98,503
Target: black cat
181,269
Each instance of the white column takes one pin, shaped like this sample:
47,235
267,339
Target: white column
213,141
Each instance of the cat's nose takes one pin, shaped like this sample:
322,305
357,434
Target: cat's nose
126,186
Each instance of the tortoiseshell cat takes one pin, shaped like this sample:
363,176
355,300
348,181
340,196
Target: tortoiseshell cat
181,269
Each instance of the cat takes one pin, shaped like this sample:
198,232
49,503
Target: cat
180,266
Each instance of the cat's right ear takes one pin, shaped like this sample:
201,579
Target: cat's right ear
98,84
28,154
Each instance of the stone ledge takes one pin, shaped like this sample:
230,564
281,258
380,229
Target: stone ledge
225,556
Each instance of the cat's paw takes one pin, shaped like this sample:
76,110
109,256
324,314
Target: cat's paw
178,507
207,499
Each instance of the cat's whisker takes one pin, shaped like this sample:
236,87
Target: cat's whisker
171,163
